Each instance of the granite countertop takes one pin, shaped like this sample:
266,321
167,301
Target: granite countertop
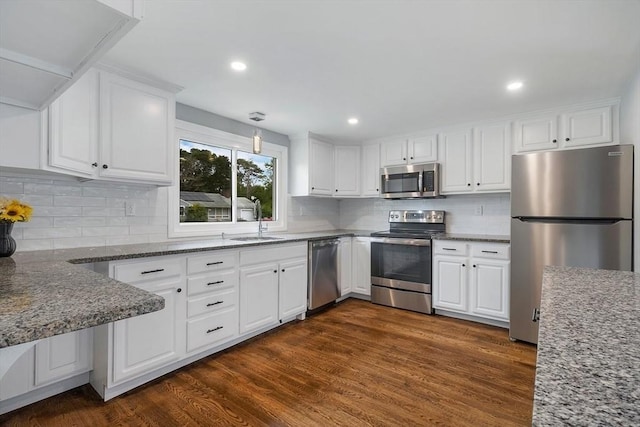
43,294
588,367
474,237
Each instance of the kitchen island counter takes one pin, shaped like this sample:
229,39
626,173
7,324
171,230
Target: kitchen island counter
42,293
588,366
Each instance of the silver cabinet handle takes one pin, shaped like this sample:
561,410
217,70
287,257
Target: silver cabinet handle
217,328
214,303
489,252
152,271
215,263
215,283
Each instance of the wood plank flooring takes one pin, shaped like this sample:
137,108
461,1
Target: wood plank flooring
356,364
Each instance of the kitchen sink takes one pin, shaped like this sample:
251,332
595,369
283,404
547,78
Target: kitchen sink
255,238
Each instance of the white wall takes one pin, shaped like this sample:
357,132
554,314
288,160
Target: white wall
630,134
371,214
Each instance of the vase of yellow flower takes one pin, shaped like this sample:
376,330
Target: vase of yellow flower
11,211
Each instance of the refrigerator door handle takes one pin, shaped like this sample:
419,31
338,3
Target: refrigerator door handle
536,315
595,221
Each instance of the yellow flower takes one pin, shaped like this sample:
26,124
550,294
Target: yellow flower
15,211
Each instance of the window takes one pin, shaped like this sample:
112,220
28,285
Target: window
222,186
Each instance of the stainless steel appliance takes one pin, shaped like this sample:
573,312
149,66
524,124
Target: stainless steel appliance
401,260
569,208
323,272
410,181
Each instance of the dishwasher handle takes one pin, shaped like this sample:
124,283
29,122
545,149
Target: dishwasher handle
323,243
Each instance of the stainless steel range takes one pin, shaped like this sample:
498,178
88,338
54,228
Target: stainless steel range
401,260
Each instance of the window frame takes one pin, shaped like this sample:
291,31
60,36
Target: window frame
209,136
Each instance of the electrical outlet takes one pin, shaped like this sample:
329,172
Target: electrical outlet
129,209
478,210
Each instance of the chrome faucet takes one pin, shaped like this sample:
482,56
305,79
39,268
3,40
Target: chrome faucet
257,210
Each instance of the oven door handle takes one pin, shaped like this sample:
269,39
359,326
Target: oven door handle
400,241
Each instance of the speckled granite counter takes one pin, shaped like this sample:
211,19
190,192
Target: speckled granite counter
588,367
474,237
43,294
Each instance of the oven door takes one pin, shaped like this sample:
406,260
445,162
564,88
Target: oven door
401,263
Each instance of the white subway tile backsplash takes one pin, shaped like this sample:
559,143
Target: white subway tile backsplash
11,187
105,231
51,233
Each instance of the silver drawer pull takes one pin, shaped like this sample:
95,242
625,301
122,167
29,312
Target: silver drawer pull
217,328
489,252
215,283
214,303
215,263
449,249
152,271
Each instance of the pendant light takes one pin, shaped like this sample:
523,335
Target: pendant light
257,141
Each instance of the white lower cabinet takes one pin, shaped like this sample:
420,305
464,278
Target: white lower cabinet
63,356
361,259
471,278
258,296
273,285
345,265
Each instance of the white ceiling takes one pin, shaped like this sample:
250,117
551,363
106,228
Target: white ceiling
397,65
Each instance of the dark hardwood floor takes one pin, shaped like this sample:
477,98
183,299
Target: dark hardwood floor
354,364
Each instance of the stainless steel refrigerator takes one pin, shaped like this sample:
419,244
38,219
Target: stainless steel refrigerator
571,208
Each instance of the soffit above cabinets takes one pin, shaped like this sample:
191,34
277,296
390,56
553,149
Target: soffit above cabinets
45,46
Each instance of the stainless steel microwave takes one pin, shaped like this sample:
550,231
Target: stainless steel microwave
410,182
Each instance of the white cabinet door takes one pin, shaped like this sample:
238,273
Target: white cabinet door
293,288
361,262
455,151
73,128
347,169
535,134
136,130
423,149
258,297
321,168
450,283
344,266
63,356
490,288
393,153
371,170
144,343
587,127
492,157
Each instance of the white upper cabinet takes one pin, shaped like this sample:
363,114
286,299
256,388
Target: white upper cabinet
420,149
136,130
73,127
347,170
587,127
46,46
370,170
455,152
110,127
311,166
596,124
492,157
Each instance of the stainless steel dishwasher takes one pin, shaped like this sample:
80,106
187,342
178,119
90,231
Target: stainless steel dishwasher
323,272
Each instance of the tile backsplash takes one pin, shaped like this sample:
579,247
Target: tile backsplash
71,213
461,217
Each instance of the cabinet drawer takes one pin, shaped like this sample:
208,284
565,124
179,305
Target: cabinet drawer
212,302
212,282
212,329
211,261
490,251
275,254
450,247
156,268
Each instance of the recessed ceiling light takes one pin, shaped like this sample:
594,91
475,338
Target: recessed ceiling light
238,66
517,85
353,121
